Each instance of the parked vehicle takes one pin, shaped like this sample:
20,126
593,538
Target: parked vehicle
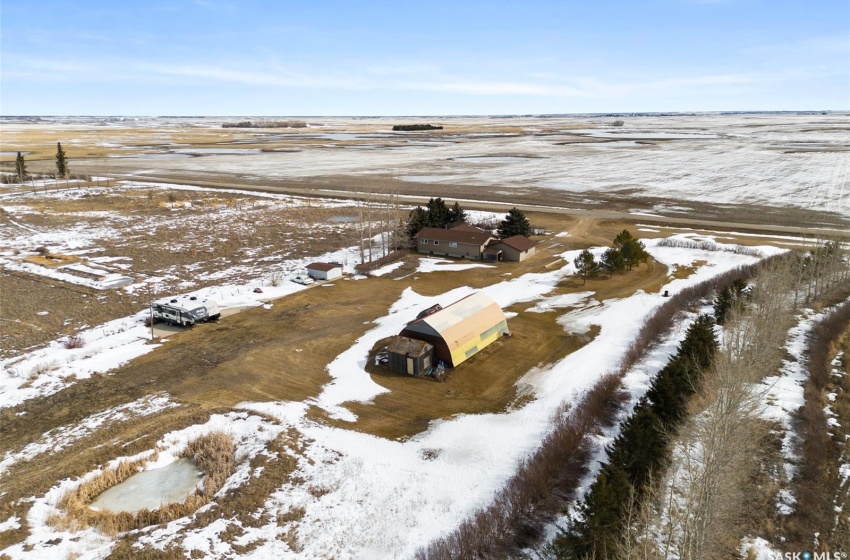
185,310
303,279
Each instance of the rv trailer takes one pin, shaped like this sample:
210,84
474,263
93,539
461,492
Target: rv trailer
185,310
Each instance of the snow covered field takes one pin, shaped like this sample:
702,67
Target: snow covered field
798,160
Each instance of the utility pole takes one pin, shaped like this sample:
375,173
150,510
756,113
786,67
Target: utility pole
150,307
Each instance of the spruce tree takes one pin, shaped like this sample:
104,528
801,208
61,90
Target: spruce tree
20,168
612,261
586,265
61,162
416,220
515,223
457,215
438,213
622,238
633,252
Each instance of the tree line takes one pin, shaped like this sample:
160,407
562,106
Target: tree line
438,214
641,448
415,127
265,124
689,504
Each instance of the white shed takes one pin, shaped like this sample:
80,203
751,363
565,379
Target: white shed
324,271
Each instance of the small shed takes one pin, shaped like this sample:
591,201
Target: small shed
324,271
408,355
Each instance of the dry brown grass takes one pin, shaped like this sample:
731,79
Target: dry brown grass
212,453
684,271
69,308
51,260
154,245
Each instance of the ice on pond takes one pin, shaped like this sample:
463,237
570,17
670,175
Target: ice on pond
151,489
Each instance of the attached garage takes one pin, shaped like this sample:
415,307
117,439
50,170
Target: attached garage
462,329
516,248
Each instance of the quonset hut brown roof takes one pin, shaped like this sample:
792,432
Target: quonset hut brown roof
461,329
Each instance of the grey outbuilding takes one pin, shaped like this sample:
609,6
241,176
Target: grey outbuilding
408,355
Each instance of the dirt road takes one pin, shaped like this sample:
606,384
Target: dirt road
555,207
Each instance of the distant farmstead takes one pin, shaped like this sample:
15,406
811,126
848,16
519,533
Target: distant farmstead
465,241
460,330
324,271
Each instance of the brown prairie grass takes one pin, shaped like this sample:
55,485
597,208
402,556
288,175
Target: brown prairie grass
51,260
212,453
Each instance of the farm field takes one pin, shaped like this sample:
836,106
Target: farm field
333,455
789,169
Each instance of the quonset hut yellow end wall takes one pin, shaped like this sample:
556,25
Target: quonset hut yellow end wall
462,329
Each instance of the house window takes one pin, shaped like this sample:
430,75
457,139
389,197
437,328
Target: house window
423,241
436,242
452,244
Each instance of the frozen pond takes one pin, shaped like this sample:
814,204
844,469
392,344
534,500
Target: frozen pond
150,489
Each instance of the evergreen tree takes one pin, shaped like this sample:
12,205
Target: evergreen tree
20,168
670,390
730,298
602,513
633,252
585,265
61,161
457,215
700,342
641,447
438,213
416,220
622,238
515,223
612,261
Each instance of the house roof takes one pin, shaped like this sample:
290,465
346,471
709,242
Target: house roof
324,267
467,227
518,242
459,236
460,321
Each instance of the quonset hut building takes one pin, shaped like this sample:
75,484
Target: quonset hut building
460,330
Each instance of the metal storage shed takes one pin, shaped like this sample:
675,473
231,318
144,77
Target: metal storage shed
461,329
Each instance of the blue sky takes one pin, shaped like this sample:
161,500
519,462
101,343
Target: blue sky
219,57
